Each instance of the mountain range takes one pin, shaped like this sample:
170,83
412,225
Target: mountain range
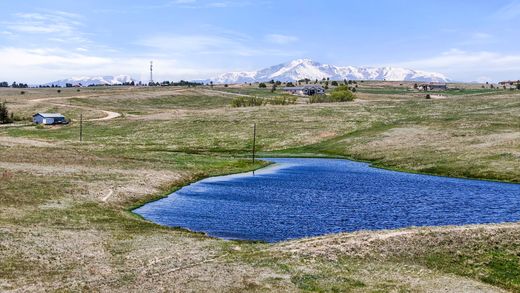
89,80
291,71
305,68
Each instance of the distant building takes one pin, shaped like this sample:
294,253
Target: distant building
509,82
307,90
433,87
49,118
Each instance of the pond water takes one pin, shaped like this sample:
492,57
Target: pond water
297,198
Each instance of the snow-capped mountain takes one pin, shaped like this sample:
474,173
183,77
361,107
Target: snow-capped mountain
305,68
93,80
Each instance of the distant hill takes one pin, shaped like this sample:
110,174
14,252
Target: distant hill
95,80
305,68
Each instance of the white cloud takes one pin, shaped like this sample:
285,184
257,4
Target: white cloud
36,23
45,65
470,66
280,39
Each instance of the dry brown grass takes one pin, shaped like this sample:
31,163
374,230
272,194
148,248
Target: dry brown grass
64,224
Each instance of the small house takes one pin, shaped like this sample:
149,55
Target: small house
49,118
433,87
307,90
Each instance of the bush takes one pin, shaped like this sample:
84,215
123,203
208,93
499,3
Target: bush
262,85
518,86
247,102
281,100
22,93
59,91
428,96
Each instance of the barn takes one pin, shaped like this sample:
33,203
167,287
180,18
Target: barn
49,118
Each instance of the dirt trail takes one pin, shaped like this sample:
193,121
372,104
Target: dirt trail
109,114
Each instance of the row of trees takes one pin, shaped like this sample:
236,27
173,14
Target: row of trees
14,85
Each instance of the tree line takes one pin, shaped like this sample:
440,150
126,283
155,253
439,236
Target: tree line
14,85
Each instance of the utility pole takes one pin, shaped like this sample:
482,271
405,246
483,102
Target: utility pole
254,142
81,127
151,72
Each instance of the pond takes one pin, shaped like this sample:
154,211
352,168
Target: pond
296,198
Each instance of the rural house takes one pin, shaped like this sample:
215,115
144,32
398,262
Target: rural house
49,118
307,90
433,87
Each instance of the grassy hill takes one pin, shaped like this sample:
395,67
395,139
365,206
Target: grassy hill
65,222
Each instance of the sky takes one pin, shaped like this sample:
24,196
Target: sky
47,40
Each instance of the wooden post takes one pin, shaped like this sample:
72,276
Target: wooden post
254,142
81,127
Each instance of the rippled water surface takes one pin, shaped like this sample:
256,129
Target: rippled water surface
307,197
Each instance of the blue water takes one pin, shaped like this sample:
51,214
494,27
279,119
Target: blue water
307,197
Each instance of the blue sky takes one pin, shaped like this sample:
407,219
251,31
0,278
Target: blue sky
41,41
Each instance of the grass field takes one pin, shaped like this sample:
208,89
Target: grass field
65,223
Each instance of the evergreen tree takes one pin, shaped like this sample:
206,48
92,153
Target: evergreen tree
4,114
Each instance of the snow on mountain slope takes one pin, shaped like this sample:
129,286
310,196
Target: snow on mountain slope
93,80
305,68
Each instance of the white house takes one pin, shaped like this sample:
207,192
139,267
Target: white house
49,118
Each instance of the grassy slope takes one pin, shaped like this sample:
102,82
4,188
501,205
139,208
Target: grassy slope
58,232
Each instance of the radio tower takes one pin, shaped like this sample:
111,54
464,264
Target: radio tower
151,72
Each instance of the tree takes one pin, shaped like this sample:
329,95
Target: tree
262,85
334,83
290,84
4,114
211,84
273,89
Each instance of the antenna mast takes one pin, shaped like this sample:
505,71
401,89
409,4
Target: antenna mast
151,71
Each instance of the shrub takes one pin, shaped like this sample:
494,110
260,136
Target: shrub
281,100
334,83
428,96
342,94
262,85
518,86
59,91
22,93
247,102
